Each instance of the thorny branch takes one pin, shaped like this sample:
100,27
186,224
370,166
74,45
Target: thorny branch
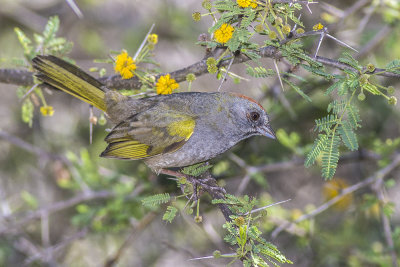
368,181
25,78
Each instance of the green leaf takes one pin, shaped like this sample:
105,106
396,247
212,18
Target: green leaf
353,116
26,43
349,60
318,147
50,30
259,72
318,71
248,19
156,200
294,76
330,156
393,66
297,89
331,88
251,54
348,136
325,123
197,169
29,199
27,111
170,214
337,106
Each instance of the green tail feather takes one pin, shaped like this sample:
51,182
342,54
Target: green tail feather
70,79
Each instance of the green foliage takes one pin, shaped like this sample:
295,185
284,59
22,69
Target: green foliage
27,110
330,155
316,150
259,72
385,149
45,43
393,66
290,141
243,231
197,169
170,214
348,136
29,199
156,200
349,60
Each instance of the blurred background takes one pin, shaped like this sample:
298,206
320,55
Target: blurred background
48,218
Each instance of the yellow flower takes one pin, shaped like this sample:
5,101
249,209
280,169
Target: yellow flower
165,85
318,27
125,65
153,39
246,3
224,33
333,188
47,110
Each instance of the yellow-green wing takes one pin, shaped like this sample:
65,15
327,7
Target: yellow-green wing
158,130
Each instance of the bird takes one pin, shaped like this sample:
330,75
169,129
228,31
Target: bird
165,131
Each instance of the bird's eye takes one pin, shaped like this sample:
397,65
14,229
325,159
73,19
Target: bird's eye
254,116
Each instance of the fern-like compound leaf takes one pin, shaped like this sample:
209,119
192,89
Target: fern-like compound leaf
319,145
325,123
348,136
330,156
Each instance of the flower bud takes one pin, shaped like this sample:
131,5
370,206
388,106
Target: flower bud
370,67
211,61
102,120
198,219
272,35
206,4
392,100
212,69
196,16
239,221
190,77
286,29
259,28
361,96
217,254
390,90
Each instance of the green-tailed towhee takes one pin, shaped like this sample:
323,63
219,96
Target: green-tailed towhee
165,131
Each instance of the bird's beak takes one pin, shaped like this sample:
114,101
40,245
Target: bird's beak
267,131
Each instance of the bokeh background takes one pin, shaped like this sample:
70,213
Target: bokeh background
93,230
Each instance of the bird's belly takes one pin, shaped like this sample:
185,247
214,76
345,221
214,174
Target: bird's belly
199,148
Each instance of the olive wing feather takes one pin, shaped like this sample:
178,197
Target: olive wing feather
158,130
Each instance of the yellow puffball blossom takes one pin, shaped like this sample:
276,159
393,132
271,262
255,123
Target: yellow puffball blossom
125,65
318,27
224,33
247,3
47,110
333,188
153,39
165,85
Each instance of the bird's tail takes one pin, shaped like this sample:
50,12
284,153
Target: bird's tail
70,79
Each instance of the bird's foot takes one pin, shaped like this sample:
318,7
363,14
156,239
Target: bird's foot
200,184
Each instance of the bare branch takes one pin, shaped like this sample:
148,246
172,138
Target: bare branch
378,188
24,78
378,175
